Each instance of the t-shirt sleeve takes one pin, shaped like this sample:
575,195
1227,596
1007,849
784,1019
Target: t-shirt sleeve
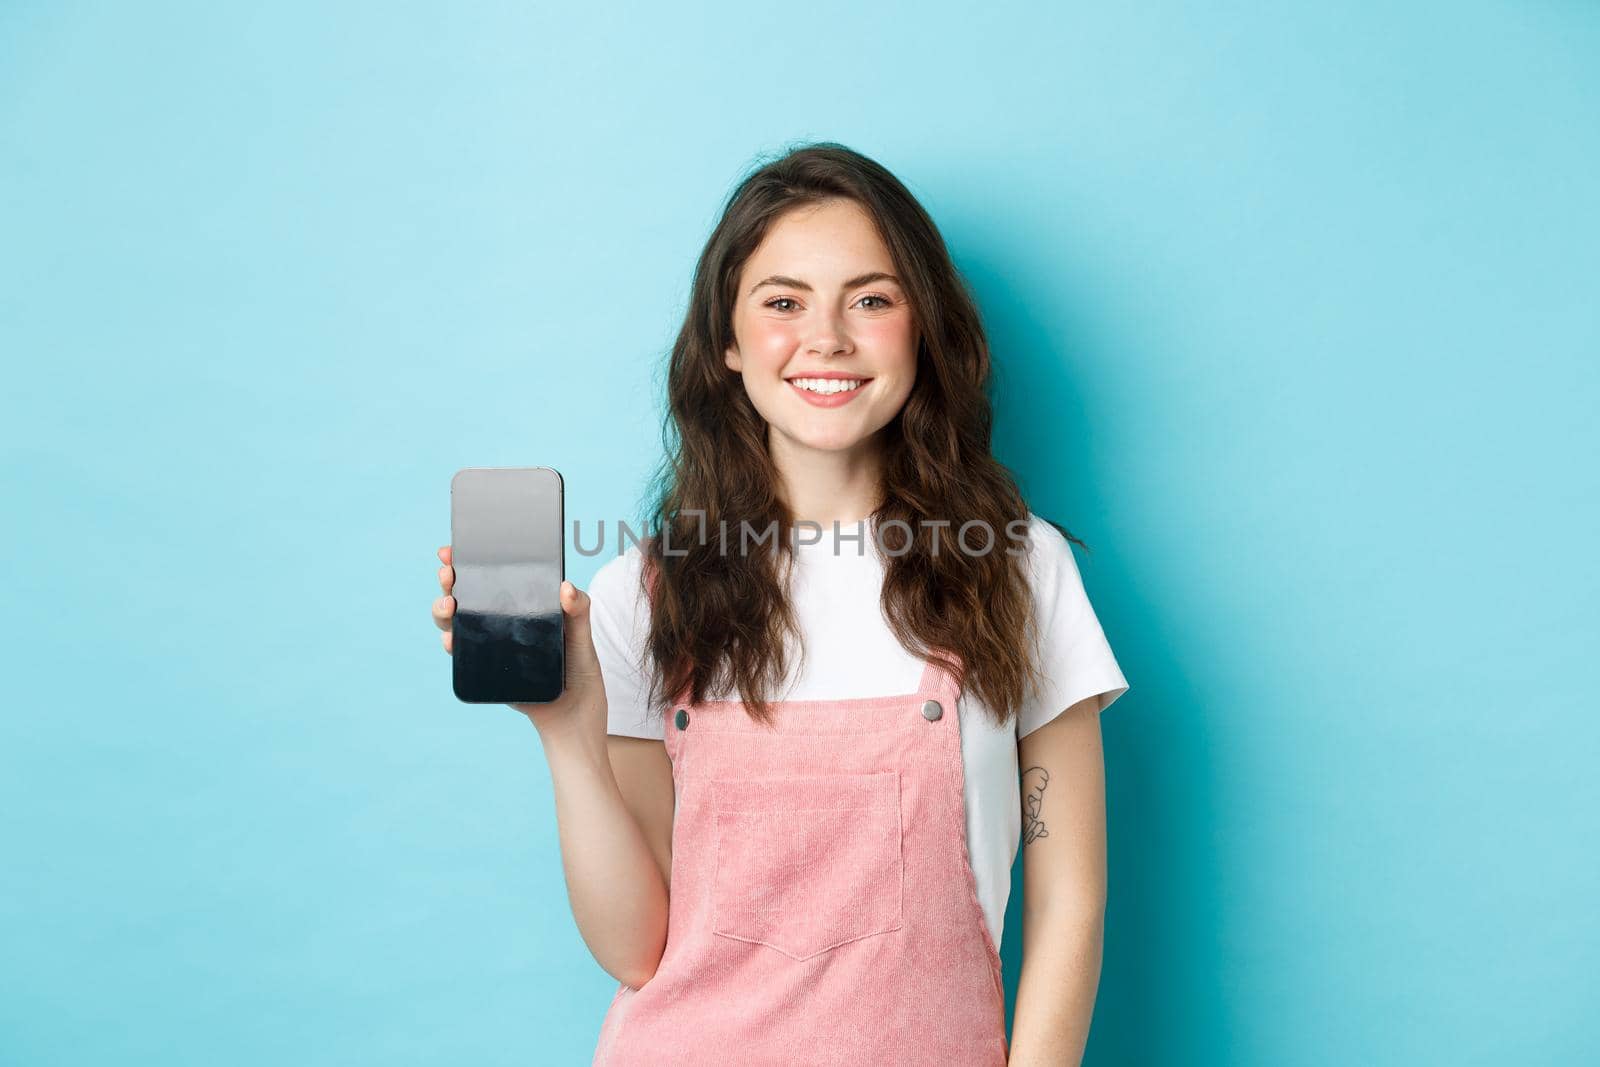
1075,657
619,622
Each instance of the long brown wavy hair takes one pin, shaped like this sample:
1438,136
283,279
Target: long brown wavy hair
720,618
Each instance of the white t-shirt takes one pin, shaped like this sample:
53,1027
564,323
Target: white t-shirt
851,652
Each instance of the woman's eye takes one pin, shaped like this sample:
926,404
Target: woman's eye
774,303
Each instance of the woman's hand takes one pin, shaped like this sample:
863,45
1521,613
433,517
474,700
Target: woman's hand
582,706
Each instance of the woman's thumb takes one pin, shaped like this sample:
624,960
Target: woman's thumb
580,641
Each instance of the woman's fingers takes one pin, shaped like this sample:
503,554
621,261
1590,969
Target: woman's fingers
447,573
445,606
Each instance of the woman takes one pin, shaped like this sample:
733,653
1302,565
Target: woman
831,527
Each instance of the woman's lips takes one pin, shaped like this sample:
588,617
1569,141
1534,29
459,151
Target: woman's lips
829,400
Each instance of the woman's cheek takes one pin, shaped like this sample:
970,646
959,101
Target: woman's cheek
777,341
887,335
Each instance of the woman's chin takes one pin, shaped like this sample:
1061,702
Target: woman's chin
815,438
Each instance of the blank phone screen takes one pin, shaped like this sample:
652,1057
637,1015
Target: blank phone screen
508,640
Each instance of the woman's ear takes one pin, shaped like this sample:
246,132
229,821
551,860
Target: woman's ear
730,356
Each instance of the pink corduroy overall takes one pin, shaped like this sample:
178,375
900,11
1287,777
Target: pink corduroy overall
823,906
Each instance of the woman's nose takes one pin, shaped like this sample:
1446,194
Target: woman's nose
828,339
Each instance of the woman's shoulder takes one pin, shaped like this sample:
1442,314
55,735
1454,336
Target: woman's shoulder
1048,550
621,565
614,590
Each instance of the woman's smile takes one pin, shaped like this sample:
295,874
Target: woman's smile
829,390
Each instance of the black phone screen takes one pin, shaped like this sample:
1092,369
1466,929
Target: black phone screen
508,639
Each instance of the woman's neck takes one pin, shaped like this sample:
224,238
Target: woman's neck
828,487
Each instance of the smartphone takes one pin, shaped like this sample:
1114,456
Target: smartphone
508,643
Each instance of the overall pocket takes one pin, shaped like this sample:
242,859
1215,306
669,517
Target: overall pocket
806,864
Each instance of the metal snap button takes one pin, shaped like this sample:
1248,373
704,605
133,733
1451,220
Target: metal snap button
682,718
931,710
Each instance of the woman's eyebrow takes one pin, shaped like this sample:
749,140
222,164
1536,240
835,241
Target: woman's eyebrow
795,283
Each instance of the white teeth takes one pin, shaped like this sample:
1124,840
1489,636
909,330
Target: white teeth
828,385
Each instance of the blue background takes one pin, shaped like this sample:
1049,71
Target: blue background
1296,321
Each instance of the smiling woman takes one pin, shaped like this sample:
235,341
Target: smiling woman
822,877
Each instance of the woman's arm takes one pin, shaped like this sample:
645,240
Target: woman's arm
615,842
1064,886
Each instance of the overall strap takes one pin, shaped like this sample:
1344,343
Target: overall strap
937,676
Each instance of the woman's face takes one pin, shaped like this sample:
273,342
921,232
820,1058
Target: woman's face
823,335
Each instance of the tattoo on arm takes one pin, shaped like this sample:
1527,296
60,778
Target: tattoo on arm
1034,779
